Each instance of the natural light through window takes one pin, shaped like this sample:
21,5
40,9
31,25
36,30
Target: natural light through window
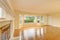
0,12
20,19
31,19
31,33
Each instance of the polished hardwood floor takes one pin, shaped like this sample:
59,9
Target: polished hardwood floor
52,33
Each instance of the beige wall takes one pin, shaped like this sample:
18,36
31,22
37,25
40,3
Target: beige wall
16,19
54,19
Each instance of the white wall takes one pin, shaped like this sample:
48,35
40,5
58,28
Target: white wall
54,20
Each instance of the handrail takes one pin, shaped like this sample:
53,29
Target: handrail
7,27
3,23
3,26
5,32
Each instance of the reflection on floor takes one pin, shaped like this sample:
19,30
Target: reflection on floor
52,33
32,34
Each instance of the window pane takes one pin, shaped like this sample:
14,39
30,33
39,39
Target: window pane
42,18
0,12
38,19
20,20
29,19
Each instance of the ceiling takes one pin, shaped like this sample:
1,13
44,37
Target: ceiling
36,6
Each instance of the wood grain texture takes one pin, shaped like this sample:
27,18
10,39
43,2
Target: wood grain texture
16,32
52,33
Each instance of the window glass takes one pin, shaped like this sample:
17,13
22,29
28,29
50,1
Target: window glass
42,18
29,19
0,12
32,19
20,19
38,19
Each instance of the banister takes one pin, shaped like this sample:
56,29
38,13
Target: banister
5,32
3,23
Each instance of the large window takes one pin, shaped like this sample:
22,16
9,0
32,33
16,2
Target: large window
29,19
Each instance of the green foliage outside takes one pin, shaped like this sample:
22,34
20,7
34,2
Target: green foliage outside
29,20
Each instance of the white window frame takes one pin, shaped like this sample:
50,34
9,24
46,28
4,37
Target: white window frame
30,22
35,21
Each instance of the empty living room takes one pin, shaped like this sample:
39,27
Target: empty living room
29,19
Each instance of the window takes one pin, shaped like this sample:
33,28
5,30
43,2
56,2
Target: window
20,19
43,19
0,12
38,19
29,19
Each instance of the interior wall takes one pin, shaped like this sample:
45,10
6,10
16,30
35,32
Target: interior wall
54,19
5,6
16,19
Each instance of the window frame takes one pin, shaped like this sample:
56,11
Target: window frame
30,22
35,20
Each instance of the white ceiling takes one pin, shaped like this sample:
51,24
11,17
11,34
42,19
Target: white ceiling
36,6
